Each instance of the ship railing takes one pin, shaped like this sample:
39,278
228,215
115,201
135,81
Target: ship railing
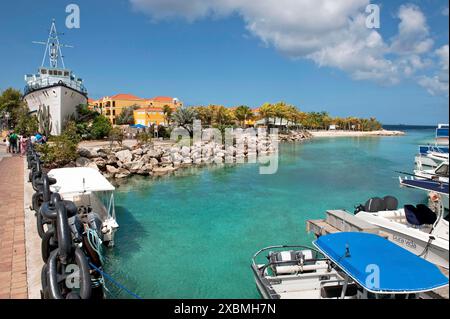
35,85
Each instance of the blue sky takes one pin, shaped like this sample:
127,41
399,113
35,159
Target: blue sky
233,52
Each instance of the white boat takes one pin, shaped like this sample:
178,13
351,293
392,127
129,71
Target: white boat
344,266
415,228
54,87
438,174
89,190
431,156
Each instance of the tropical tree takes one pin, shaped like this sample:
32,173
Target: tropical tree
126,117
267,111
11,106
185,117
167,111
243,113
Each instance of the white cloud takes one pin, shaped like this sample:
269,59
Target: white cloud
413,32
438,84
331,33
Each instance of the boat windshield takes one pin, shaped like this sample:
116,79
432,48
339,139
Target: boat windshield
442,170
107,199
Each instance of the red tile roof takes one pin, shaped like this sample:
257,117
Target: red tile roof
162,99
122,96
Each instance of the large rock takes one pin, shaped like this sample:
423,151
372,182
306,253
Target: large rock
154,153
124,156
154,161
166,160
82,162
137,151
122,173
84,152
185,151
100,162
133,167
176,157
111,170
145,170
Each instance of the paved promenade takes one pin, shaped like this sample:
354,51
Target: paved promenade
13,272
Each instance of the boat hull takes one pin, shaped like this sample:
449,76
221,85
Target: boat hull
61,100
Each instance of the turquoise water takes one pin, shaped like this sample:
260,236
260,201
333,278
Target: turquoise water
193,235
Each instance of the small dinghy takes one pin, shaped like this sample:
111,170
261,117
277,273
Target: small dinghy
342,267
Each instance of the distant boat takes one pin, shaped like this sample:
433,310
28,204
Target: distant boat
340,266
54,87
430,156
440,174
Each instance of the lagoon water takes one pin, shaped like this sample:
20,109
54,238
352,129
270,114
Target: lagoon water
193,235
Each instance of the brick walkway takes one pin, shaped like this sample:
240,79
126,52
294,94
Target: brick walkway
13,274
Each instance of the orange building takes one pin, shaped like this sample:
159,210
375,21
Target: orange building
112,106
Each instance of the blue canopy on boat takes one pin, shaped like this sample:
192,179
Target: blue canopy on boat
379,265
426,185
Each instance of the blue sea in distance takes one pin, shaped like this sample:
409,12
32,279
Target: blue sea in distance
193,235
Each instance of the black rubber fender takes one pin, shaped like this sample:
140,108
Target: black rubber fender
85,279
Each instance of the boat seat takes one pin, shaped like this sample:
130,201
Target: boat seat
420,215
427,216
285,260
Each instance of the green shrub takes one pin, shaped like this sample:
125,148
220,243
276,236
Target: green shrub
60,150
100,127
116,135
143,138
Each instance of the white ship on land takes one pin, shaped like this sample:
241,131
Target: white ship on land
54,87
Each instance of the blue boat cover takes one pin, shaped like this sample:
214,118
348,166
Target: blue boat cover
438,187
379,265
425,149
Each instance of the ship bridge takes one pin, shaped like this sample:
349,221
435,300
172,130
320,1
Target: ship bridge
47,77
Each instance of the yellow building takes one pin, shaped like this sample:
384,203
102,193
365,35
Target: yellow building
112,106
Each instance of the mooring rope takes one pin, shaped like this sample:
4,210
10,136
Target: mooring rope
105,275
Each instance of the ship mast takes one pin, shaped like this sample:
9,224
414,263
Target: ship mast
53,47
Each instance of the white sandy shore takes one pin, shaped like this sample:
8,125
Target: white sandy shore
355,133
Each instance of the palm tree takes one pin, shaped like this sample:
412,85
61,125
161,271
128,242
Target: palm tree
184,117
266,112
242,114
167,111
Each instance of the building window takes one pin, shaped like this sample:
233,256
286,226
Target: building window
114,103
114,112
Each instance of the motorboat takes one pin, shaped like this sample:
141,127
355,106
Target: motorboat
439,174
90,191
346,265
417,229
431,156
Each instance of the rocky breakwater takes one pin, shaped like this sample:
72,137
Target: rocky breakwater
295,136
158,160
